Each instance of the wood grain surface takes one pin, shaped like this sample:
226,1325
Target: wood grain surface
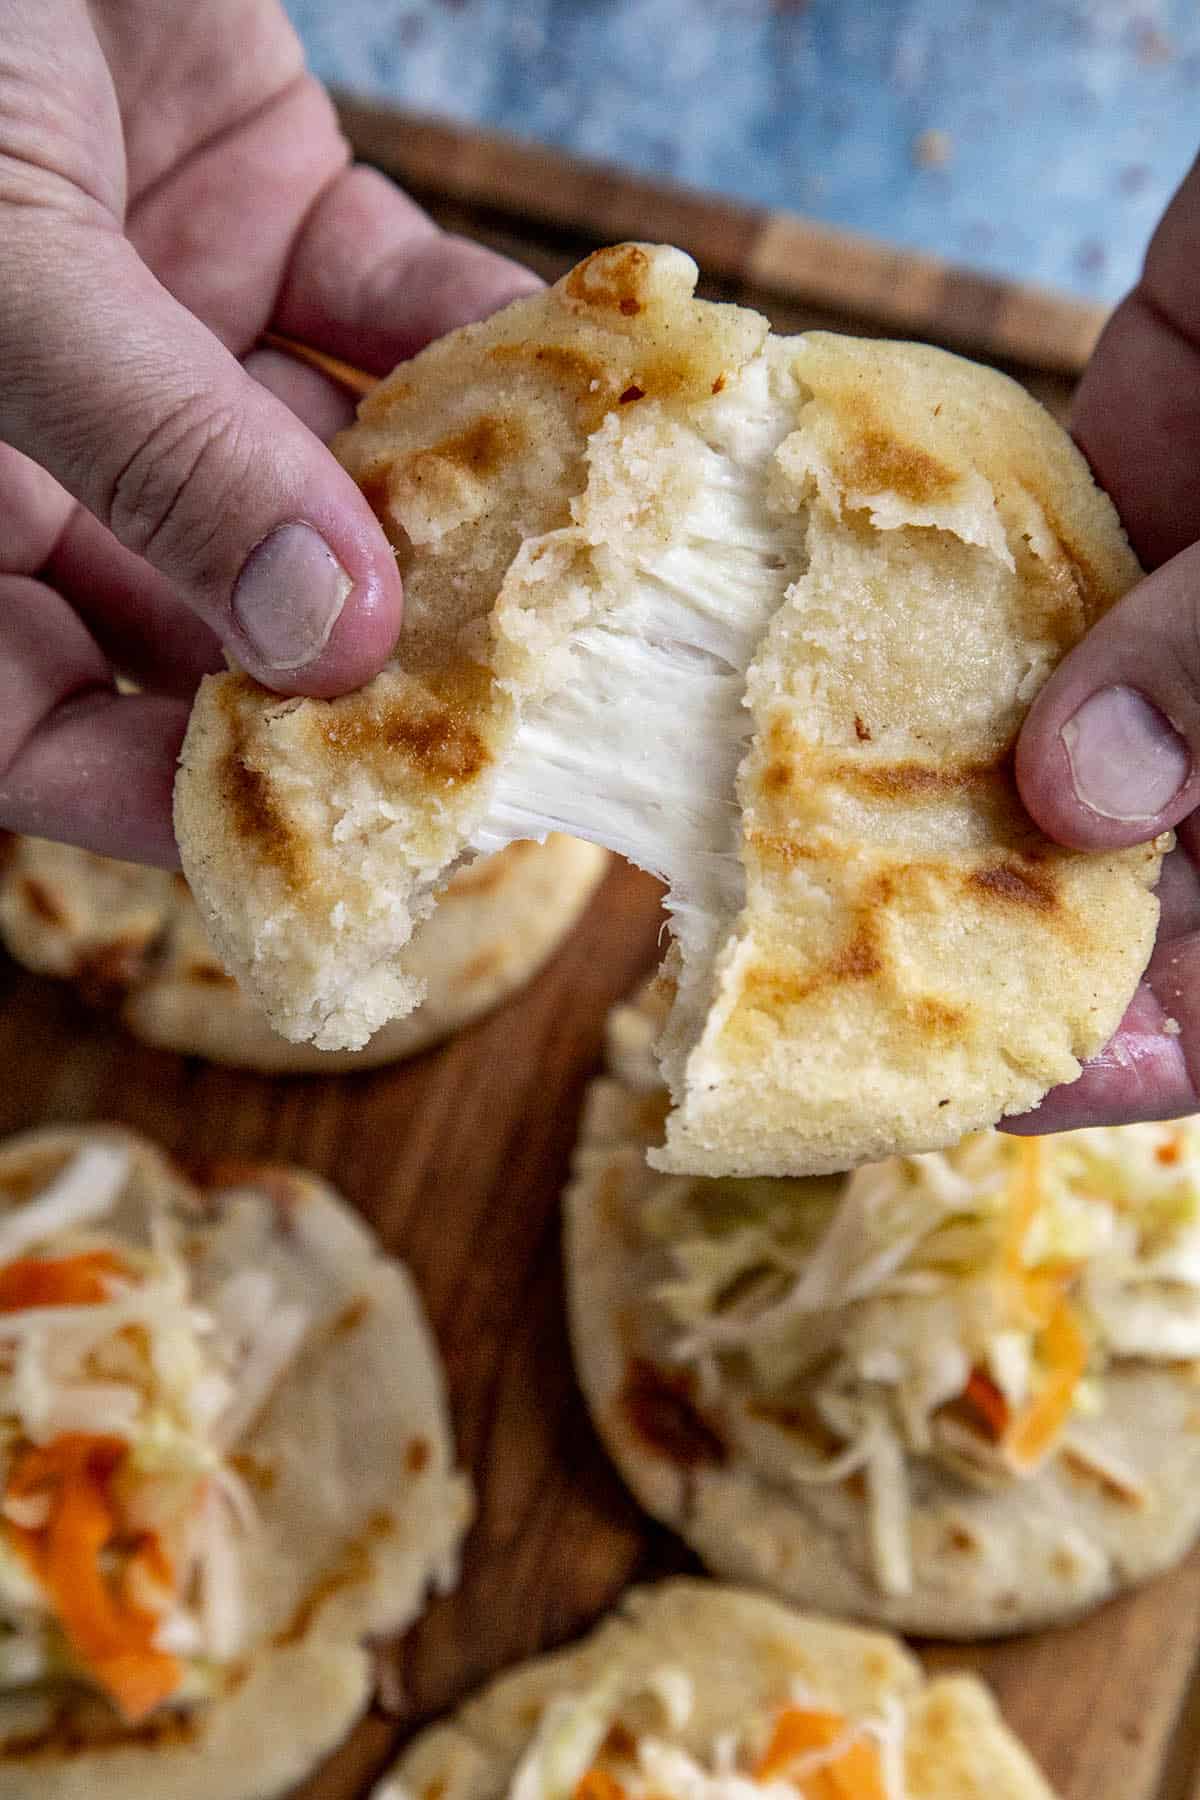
782,254
459,1157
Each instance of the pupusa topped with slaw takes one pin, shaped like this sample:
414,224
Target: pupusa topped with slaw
958,1392
210,1495
693,1691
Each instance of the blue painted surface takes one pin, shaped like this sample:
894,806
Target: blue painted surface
1039,139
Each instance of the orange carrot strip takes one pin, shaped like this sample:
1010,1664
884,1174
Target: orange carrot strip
798,1730
1064,1350
113,1639
64,1281
598,1784
982,1393
857,1773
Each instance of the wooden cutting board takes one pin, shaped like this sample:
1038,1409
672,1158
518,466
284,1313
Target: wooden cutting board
458,1159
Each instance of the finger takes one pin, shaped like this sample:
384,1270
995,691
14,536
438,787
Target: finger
1178,887
33,512
372,279
131,611
323,406
1110,752
1137,410
77,762
1144,1073
137,410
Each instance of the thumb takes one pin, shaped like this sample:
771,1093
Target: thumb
141,414
1110,752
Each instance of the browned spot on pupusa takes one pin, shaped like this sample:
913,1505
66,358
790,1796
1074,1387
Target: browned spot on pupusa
375,484
252,806
912,780
41,902
437,736
1016,882
611,280
417,1455
876,460
859,959
660,1407
355,1313
354,1567
482,449
935,1018
879,463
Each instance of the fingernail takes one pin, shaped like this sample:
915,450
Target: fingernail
1127,761
289,596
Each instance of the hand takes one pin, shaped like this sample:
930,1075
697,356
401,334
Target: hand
1110,752
172,182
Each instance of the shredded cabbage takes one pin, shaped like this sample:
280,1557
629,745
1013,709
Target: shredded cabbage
924,1306
128,1360
574,1728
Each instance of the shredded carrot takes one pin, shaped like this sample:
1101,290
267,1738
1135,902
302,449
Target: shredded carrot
598,1784
112,1638
64,1281
1063,1349
982,1393
798,1731
857,1774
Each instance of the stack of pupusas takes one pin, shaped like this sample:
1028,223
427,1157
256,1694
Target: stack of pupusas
225,1463
130,938
954,1392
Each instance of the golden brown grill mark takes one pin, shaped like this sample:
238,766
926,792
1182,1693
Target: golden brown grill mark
611,279
354,1567
879,463
934,1018
417,1455
352,1315
859,959
251,804
918,780
1017,884
660,1406
441,743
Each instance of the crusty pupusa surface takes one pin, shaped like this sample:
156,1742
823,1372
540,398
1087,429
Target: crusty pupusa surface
763,614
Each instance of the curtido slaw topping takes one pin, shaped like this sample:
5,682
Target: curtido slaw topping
962,1306
599,1745
120,1400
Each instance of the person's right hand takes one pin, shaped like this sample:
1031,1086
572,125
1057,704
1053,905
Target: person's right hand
1110,752
172,183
